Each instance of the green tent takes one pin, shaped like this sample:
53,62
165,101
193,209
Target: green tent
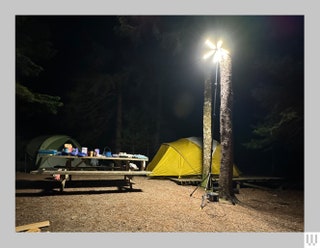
183,157
54,142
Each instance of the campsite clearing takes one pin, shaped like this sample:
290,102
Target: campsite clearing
158,205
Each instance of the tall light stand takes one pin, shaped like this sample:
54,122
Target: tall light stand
218,53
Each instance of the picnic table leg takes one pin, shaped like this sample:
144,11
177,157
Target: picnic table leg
63,182
128,179
143,165
130,182
68,166
62,185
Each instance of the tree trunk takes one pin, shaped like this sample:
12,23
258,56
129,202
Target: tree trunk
226,139
207,130
157,133
118,119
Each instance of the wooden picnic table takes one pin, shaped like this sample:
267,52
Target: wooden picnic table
81,168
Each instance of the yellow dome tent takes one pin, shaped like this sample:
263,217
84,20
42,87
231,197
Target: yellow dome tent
183,157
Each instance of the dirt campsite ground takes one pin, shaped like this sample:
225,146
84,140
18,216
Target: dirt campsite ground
154,205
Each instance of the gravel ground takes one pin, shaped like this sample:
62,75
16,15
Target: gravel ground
154,205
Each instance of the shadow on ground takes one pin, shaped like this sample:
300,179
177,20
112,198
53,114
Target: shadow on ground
51,187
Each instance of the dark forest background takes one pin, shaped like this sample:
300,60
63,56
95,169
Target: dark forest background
134,82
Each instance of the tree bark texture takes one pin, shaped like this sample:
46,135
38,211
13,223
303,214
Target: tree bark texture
207,130
157,133
226,139
119,120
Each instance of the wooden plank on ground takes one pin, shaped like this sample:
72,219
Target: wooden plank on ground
34,230
256,186
257,179
33,226
186,181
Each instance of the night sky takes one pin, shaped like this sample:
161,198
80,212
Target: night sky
163,55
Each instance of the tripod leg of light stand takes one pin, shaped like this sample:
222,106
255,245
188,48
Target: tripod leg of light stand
198,185
195,189
203,202
204,196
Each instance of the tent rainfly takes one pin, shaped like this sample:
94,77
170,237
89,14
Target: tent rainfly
183,157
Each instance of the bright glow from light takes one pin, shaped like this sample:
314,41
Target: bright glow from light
219,44
216,51
210,44
208,54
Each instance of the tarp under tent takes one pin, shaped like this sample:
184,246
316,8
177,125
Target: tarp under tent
183,157
53,142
